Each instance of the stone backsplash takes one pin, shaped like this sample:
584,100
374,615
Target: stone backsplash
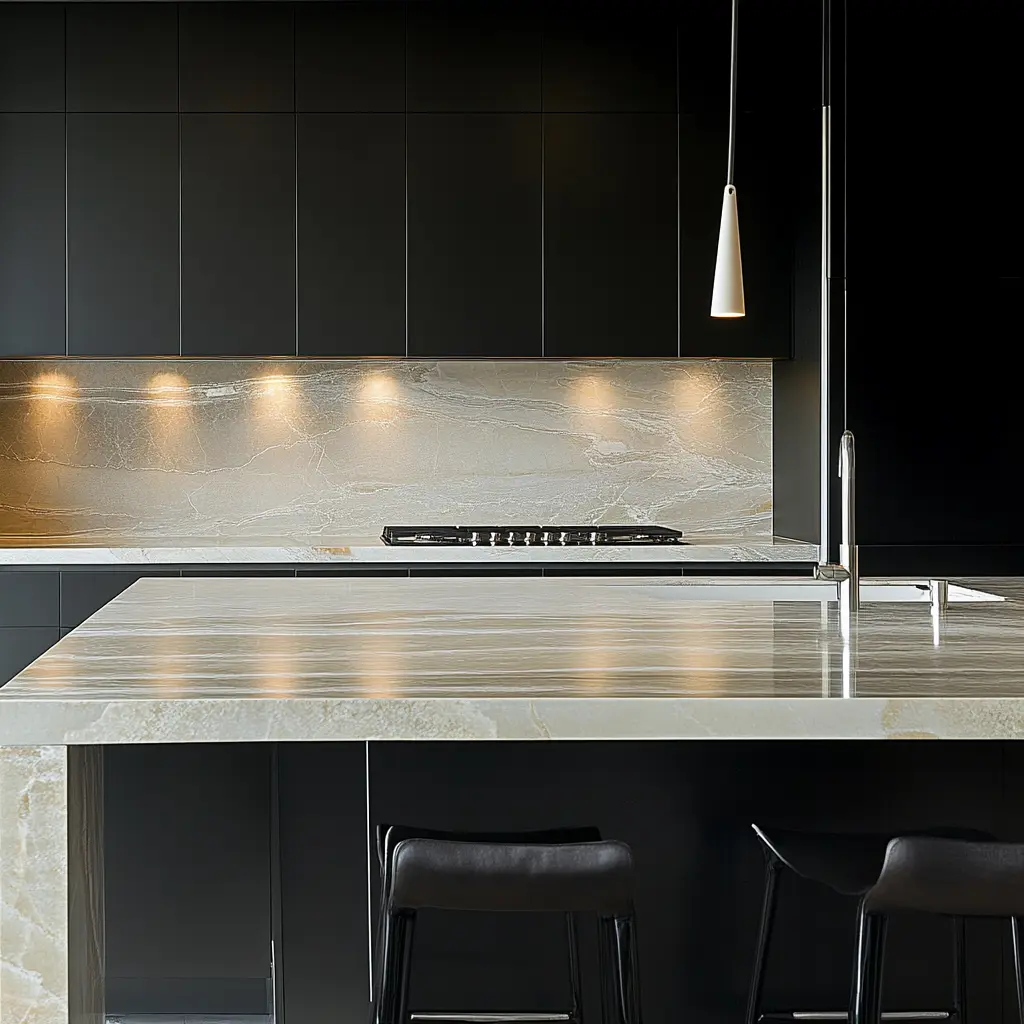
197,449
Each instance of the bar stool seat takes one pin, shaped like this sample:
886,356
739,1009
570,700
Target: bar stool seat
952,877
569,878
388,836
590,877
848,864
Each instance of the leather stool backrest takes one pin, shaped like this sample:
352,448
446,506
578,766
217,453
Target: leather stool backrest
950,876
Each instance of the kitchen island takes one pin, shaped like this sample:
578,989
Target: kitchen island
213,661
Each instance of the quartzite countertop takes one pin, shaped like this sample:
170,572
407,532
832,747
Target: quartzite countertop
353,550
178,660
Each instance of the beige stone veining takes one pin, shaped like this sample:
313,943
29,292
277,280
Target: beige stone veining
194,449
178,660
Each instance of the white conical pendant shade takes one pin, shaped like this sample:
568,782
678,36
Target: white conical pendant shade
727,296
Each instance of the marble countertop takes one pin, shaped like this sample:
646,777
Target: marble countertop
179,660
343,550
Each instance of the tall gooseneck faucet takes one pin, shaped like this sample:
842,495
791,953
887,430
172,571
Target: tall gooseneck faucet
849,589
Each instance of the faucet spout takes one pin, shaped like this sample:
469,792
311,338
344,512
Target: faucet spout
849,589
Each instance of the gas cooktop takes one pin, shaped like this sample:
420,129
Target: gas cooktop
527,536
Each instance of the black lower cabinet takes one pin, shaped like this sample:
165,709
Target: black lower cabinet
21,645
84,593
29,618
323,971
187,872
685,809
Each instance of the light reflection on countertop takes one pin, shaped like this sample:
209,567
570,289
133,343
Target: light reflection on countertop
207,659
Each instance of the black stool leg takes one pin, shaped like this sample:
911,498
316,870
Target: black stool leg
1015,935
575,983
768,904
959,970
629,968
393,987
866,990
620,970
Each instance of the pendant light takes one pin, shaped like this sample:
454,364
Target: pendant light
727,295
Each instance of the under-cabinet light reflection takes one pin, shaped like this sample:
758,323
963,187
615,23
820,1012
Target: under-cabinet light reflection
54,386
277,386
168,389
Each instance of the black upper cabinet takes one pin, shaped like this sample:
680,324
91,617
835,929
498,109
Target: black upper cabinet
474,251
122,234
236,57
610,235
468,56
766,150
351,178
602,57
122,57
237,234
31,57
32,235
350,57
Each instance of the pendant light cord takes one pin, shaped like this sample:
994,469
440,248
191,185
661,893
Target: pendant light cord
732,91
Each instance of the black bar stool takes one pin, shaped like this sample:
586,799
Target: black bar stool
526,877
849,864
953,877
389,836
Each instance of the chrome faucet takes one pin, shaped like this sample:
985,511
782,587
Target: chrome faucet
849,589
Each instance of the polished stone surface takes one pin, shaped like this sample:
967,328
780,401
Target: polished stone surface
51,885
370,550
247,449
178,660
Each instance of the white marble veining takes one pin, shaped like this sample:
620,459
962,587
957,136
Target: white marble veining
234,450
51,885
371,550
33,885
178,660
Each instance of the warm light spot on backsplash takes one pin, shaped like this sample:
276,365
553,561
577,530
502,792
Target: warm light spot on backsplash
277,387
168,389
379,388
52,411
54,386
593,394
378,399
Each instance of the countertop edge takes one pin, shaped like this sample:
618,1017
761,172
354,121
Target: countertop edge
365,551
40,721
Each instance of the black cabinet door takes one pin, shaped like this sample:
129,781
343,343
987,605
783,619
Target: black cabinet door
32,235
610,235
604,57
122,234
85,592
21,646
122,57
474,254
766,148
29,598
236,57
351,234
187,838
350,57
31,57
237,235
467,56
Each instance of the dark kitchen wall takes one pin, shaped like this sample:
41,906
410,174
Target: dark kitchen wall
935,215
387,179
